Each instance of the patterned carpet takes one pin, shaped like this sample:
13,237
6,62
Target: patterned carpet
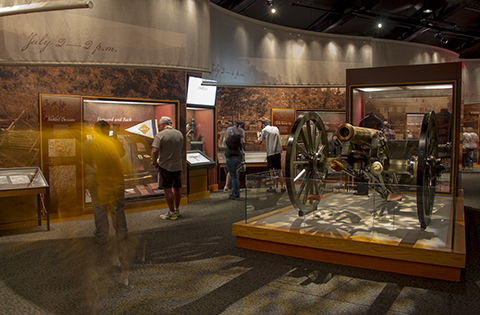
192,266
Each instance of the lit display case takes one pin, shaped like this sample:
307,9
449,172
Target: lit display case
399,111
395,206
134,123
24,181
200,135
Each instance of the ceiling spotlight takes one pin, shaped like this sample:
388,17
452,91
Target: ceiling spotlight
441,38
380,25
427,11
270,5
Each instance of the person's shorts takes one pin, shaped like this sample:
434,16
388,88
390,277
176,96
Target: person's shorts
274,161
170,179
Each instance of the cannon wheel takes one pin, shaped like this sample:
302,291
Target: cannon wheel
426,168
305,162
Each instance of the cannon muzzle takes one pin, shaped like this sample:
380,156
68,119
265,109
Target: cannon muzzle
356,135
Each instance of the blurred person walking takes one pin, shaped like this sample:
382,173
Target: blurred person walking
103,156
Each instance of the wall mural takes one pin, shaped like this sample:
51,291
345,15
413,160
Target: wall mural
251,105
21,86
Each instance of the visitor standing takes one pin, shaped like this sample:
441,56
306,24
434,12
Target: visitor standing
167,148
271,136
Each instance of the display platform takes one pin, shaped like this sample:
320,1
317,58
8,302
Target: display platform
356,230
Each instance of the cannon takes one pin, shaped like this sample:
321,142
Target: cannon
363,154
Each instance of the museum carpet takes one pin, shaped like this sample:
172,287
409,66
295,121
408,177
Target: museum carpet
192,266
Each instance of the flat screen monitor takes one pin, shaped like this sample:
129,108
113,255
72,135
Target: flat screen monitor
198,94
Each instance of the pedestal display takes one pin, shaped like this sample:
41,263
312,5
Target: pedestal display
356,230
25,181
198,164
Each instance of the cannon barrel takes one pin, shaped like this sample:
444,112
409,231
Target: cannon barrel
356,135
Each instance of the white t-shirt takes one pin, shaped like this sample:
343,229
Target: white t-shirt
271,136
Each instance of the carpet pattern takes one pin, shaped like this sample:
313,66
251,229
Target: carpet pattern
192,266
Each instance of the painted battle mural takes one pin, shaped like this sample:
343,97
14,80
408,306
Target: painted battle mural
251,105
19,99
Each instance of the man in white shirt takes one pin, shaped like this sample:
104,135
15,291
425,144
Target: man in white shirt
271,136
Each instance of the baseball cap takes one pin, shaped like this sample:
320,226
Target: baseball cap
165,120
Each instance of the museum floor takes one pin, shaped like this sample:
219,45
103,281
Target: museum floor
192,266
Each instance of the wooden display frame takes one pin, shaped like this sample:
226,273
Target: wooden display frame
403,258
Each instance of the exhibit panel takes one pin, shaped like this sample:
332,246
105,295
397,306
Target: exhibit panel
134,123
61,151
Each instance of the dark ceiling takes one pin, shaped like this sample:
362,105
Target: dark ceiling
452,24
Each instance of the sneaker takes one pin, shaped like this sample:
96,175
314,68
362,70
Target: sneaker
234,198
284,189
170,216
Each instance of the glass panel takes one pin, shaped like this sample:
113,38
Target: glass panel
134,123
200,130
201,135
345,211
399,111
21,178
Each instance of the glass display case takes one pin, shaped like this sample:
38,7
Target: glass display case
200,134
339,210
134,123
395,205
24,181
399,111
335,223
14,180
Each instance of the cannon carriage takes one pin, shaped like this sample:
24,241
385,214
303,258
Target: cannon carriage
363,154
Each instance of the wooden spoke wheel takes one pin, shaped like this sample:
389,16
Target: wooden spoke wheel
305,162
427,168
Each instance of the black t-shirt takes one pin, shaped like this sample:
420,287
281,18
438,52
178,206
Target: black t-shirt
234,146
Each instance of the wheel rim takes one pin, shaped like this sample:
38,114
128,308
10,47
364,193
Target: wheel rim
305,169
426,168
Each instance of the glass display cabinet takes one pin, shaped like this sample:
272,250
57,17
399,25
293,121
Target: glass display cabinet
385,196
26,181
200,139
134,123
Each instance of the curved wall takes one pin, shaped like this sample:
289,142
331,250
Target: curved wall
247,52
471,79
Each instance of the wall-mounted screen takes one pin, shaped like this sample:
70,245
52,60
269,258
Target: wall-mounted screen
198,94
